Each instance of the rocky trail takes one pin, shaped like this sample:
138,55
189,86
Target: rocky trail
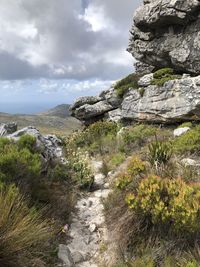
87,232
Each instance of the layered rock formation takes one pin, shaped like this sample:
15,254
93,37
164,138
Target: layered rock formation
166,33
90,109
177,100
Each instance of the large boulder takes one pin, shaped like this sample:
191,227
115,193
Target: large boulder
7,128
166,33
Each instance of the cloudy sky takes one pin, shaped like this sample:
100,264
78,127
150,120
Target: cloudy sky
52,51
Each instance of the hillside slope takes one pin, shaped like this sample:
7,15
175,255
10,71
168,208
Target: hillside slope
61,111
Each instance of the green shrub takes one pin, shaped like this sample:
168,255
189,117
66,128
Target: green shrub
23,231
4,142
172,203
138,134
122,86
160,152
27,141
18,164
123,180
163,75
135,166
92,134
189,142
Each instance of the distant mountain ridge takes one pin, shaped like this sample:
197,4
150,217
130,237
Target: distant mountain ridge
61,111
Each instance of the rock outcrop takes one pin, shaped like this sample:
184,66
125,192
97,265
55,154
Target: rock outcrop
49,146
176,101
90,109
7,128
166,33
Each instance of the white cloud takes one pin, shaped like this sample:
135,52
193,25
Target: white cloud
56,39
95,16
47,86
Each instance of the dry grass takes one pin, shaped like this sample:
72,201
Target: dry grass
21,229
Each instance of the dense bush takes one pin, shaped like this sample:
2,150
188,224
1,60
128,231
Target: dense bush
122,86
18,162
135,166
138,134
123,179
23,231
170,202
93,133
189,142
27,141
163,75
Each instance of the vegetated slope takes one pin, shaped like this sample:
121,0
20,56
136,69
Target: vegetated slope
152,213
47,124
61,111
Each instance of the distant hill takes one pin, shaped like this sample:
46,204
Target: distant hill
61,111
54,121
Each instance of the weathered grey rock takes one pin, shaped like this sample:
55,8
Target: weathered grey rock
88,111
190,162
84,100
7,128
91,109
167,33
180,131
64,254
77,257
143,68
177,100
99,179
145,80
111,97
92,227
49,146
115,115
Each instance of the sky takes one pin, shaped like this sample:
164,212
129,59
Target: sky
51,51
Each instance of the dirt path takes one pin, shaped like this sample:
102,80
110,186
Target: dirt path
87,230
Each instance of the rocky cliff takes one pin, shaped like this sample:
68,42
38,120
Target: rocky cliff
167,33
165,39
